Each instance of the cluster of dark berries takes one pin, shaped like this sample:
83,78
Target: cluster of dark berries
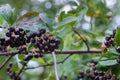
14,38
110,39
43,42
94,74
12,74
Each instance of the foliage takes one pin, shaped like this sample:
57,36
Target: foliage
70,28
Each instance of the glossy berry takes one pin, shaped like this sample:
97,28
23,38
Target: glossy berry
100,73
42,31
8,34
118,60
28,57
107,38
88,71
36,55
118,49
10,64
11,29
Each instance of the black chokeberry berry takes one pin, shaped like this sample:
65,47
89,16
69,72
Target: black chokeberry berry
10,64
28,57
11,29
100,73
88,71
107,38
118,49
118,60
8,34
42,30
20,29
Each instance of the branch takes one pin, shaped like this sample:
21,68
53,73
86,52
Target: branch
51,64
57,52
55,65
5,62
20,71
9,53
78,51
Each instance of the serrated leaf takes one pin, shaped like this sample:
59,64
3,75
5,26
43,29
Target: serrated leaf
65,21
117,36
108,62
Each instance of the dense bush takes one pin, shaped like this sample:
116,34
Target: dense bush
59,40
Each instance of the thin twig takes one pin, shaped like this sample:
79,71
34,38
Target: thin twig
55,65
64,59
51,64
91,23
5,62
21,70
84,40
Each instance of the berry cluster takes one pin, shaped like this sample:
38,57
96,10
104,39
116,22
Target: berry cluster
110,39
12,74
43,42
94,74
110,42
14,38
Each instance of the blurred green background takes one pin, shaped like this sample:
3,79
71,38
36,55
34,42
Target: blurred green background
93,19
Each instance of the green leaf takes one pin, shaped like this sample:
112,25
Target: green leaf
22,62
112,50
8,13
15,67
65,21
40,60
46,20
21,56
117,37
61,43
30,46
109,55
28,28
1,20
108,62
